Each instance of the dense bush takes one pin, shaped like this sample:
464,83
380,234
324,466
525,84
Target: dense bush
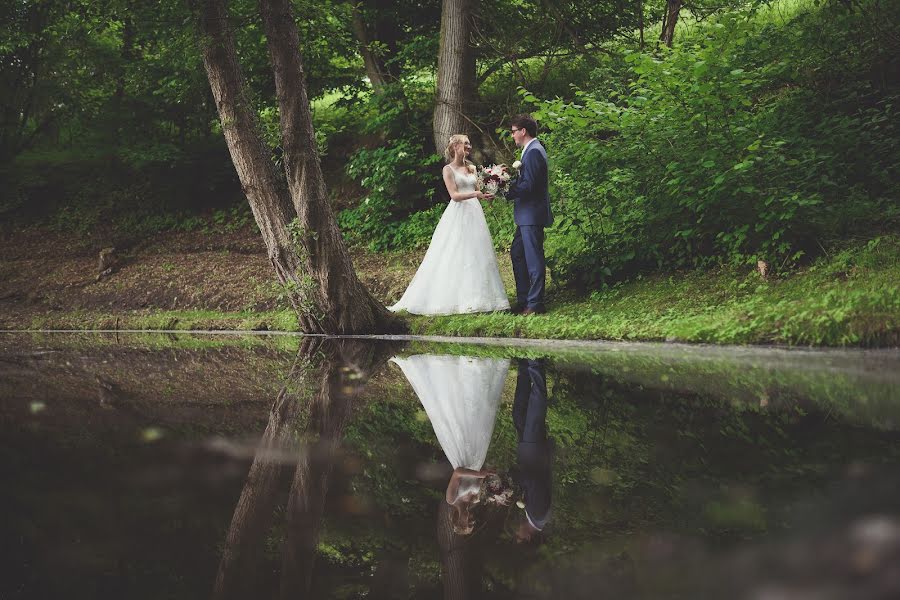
748,141
127,191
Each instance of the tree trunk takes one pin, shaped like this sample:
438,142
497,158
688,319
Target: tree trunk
301,234
375,69
345,305
640,16
456,73
268,198
673,8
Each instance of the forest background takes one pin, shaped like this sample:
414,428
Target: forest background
686,139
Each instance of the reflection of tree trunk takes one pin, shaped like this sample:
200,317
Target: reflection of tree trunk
391,577
670,18
345,367
460,564
254,511
306,504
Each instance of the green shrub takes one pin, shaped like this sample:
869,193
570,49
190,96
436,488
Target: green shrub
746,142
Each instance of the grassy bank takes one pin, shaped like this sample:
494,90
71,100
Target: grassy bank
849,298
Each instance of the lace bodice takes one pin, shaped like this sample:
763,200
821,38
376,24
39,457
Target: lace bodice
465,182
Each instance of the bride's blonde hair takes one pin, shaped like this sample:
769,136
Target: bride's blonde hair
456,138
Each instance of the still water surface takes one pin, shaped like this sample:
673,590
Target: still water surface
190,466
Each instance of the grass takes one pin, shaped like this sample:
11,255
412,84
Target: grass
186,320
849,298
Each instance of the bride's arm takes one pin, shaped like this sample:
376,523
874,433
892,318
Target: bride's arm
458,474
455,194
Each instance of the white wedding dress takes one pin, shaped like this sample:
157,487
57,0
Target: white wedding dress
459,273
461,395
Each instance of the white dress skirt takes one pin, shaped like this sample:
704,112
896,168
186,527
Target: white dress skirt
459,273
461,395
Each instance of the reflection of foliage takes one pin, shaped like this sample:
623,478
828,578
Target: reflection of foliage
641,442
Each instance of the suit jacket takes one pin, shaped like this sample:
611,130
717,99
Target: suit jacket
530,191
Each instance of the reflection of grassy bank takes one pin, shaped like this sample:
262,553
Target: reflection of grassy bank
849,299
858,389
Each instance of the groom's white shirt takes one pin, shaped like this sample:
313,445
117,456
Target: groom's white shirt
527,146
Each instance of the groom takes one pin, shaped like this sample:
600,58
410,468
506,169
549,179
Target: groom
532,472
532,213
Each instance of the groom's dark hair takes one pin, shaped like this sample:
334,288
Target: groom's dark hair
525,122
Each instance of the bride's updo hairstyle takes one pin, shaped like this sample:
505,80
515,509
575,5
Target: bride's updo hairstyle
449,152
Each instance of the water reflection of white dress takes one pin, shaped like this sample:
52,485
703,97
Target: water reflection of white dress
461,395
459,273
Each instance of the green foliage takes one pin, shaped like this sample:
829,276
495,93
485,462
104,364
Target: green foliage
745,142
91,193
398,176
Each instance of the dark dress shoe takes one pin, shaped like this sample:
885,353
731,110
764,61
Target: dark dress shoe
531,311
515,309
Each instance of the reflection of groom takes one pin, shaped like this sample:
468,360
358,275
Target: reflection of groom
532,471
531,212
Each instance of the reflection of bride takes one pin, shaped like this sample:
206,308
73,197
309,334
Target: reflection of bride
461,395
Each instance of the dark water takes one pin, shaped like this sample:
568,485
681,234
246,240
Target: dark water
252,467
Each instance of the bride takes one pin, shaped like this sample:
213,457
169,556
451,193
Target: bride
459,273
461,396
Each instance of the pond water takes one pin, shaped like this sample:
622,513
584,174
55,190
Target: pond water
193,466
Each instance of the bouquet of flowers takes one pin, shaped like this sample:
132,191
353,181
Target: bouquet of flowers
494,179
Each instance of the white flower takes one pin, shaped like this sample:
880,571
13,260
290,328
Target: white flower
517,164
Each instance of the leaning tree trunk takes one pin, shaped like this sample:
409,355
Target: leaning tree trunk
268,198
456,73
673,8
297,224
345,304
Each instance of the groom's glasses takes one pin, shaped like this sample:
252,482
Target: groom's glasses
514,130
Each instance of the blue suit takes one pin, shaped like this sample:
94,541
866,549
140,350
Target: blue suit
532,470
531,211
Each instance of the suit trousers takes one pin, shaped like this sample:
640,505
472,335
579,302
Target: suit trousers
529,266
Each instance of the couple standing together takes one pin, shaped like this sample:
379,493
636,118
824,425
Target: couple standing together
459,273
